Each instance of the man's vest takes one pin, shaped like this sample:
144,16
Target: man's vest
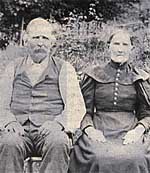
40,102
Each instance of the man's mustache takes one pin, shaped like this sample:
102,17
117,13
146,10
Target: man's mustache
40,50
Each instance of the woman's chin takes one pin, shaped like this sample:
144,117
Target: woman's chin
119,60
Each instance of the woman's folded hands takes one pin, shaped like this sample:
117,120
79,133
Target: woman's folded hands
134,135
95,135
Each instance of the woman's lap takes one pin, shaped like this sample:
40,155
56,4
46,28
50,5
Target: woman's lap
110,157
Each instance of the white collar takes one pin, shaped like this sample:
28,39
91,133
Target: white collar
42,65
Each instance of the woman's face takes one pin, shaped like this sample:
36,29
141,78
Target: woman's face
120,47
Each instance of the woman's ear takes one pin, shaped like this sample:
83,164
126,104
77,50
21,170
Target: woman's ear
107,51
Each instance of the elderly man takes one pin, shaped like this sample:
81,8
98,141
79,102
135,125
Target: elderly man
40,101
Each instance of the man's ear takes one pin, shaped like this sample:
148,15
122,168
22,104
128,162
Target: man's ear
132,47
108,45
25,38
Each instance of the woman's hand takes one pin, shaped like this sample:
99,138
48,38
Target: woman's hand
134,135
95,135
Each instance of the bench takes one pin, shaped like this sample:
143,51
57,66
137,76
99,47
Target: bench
32,164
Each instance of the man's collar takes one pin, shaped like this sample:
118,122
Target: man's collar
43,64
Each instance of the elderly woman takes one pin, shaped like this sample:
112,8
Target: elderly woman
117,120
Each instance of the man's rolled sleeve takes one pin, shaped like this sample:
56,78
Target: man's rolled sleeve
74,107
88,91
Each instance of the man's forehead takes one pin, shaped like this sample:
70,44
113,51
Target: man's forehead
38,22
40,27
40,31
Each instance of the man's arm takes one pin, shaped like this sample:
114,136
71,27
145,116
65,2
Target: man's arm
74,108
6,87
88,91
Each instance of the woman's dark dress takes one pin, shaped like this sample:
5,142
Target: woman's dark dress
119,97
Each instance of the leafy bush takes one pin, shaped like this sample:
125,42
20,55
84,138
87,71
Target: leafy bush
85,43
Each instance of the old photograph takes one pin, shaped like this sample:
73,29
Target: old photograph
75,86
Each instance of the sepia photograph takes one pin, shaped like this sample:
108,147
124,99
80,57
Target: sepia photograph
74,86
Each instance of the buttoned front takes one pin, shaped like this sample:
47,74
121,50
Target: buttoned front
115,95
39,102
116,87
116,84
115,99
108,99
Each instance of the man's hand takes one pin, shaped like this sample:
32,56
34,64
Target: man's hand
134,135
48,127
95,135
15,127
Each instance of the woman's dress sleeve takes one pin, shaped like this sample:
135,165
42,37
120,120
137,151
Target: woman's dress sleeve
88,91
143,104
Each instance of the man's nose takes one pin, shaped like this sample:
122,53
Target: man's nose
120,49
40,43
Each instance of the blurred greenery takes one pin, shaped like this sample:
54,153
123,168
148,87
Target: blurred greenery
86,25
15,14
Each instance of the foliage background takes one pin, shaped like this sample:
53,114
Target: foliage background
85,24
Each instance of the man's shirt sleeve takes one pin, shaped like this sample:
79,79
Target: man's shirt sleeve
74,107
6,88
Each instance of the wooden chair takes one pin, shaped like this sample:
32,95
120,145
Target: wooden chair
32,164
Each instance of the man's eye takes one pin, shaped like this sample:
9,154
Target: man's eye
125,44
46,38
116,43
42,37
36,37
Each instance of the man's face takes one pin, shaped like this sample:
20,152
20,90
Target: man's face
39,44
120,47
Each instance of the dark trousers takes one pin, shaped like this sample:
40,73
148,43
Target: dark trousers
53,148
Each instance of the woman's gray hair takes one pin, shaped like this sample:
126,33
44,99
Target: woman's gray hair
116,31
